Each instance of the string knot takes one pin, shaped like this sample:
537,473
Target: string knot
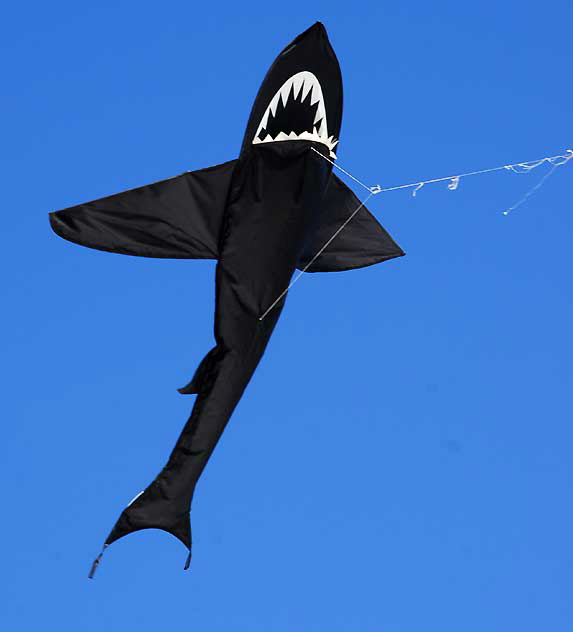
454,182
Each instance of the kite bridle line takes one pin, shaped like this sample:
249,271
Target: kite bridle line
518,167
307,266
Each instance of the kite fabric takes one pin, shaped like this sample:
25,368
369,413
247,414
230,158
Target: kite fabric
261,217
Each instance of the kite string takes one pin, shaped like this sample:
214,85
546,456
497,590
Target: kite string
533,189
518,167
307,266
344,171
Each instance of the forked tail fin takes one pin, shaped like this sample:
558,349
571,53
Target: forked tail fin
153,509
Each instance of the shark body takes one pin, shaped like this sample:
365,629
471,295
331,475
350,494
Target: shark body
261,216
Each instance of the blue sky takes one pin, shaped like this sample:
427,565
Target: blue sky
401,461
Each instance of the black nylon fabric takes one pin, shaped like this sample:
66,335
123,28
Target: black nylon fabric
261,216
177,218
363,242
310,51
275,195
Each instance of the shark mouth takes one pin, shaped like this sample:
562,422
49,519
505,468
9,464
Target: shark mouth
296,112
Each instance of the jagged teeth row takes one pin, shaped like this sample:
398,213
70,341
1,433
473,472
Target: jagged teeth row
330,142
306,82
301,84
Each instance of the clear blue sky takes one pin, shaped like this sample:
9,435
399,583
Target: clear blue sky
415,473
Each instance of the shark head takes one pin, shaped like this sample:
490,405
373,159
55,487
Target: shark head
301,95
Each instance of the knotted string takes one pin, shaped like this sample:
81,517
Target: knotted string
518,167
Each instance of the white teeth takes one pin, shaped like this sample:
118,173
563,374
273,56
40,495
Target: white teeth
297,81
306,88
314,136
274,103
319,114
303,85
285,91
316,94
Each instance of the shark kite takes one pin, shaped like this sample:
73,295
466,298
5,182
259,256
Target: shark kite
261,217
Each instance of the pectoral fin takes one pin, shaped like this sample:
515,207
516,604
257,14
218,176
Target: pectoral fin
177,218
363,242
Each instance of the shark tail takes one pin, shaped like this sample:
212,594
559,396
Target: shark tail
165,504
